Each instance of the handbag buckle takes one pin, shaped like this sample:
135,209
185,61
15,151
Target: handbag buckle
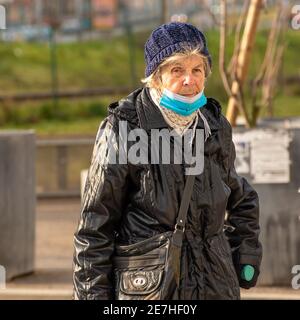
179,227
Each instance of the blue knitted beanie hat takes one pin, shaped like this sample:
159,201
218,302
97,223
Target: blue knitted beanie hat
170,38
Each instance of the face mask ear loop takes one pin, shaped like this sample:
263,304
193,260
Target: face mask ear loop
206,125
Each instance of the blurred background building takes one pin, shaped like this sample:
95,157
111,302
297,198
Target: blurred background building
28,18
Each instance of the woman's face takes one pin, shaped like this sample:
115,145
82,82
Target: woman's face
185,76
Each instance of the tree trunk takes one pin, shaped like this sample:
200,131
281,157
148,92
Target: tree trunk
243,58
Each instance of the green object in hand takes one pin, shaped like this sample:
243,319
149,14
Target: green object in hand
247,272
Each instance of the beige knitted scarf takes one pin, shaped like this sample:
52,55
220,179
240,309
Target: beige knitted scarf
178,122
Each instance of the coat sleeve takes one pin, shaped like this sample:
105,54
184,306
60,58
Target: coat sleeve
243,216
103,200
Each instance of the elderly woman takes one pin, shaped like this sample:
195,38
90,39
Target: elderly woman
213,217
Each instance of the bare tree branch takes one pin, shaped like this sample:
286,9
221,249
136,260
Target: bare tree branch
270,85
267,58
268,73
241,22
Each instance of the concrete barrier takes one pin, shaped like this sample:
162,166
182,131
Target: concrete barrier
17,202
59,163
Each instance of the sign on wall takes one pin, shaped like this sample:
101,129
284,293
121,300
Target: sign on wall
264,155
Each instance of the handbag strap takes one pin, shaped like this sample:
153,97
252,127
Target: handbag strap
184,205
178,233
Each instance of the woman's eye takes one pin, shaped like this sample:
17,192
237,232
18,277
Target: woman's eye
176,70
198,70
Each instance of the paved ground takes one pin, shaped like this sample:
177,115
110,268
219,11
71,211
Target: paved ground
52,279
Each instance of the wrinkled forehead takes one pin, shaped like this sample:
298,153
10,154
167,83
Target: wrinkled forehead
189,61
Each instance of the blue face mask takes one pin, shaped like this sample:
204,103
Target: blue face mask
181,104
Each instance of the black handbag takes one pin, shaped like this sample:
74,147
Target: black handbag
150,269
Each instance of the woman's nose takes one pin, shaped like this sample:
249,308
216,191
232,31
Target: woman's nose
188,79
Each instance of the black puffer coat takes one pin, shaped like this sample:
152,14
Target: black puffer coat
126,203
